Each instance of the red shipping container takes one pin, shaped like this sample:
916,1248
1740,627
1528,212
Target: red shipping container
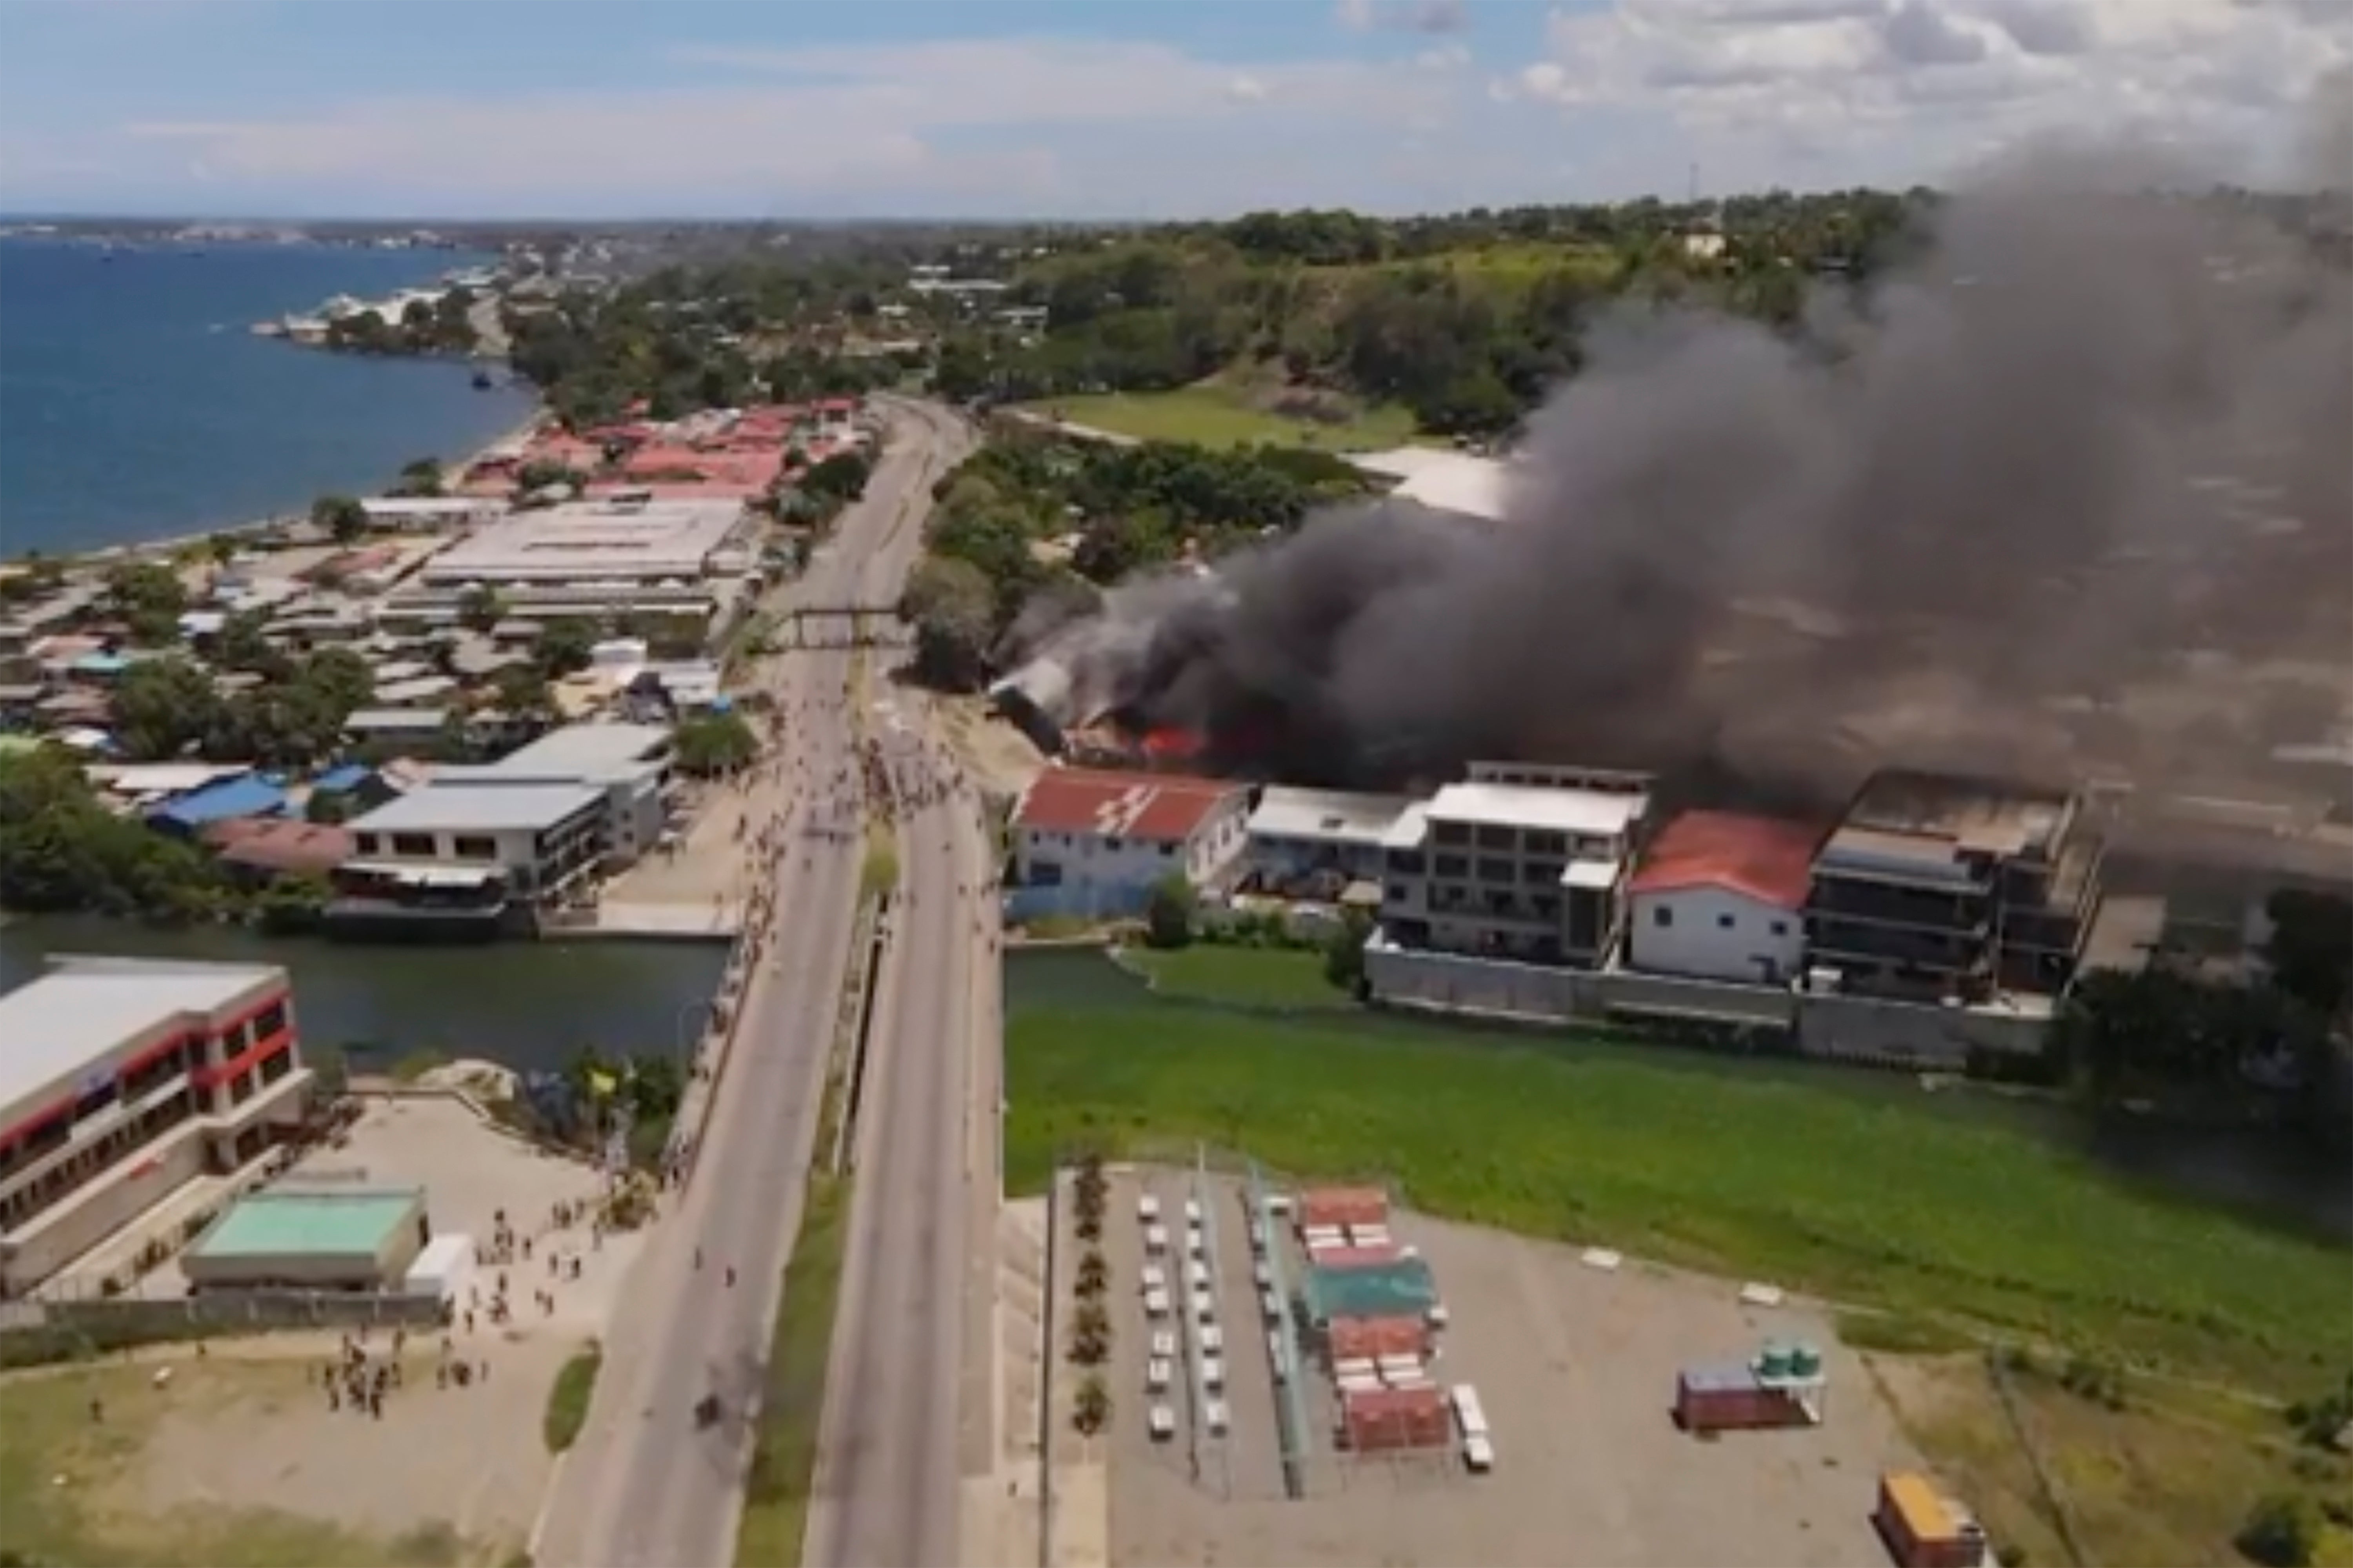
1391,1419
1728,1398
1369,1339
1353,1257
1344,1207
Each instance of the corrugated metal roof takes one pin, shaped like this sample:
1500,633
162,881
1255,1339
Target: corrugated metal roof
441,807
1162,807
1763,857
250,796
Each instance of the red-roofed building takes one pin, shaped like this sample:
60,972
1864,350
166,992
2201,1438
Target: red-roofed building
1722,896
1118,832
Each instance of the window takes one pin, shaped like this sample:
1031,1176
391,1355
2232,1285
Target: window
1455,866
270,1020
1167,851
415,845
1114,845
1724,922
1498,838
475,846
368,844
1662,917
1542,873
1453,833
1548,842
1780,927
1496,871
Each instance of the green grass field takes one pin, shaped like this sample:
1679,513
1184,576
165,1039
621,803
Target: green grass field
784,1458
1250,976
1217,416
1863,1189
567,1400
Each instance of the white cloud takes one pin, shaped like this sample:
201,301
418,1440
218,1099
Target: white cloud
1906,89
977,126
1403,15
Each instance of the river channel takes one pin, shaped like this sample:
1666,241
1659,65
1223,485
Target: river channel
523,1004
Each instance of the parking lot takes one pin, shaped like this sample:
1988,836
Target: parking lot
1575,1367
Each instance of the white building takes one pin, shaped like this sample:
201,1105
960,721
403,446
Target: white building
1721,896
1523,861
122,1080
629,764
600,542
529,839
427,513
1107,833
1298,837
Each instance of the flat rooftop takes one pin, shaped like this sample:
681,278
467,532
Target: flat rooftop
591,541
1591,812
585,749
276,1223
54,1027
1981,814
462,807
1332,816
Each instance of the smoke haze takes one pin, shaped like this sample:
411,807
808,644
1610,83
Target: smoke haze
2073,491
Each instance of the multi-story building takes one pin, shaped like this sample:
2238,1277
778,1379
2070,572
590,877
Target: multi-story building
124,1079
1523,861
1301,838
1935,886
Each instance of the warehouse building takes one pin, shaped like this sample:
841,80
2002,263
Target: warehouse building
1936,887
301,1239
1117,833
120,1081
1722,896
619,540
1532,869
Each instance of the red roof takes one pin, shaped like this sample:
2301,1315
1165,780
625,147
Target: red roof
1162,807
1763,857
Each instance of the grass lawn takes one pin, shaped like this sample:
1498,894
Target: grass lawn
568,1398
93,1519
2148,1483
1861,1189
1213,415
1253,976
784,1460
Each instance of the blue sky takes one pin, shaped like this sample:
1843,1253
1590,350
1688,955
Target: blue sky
1117,108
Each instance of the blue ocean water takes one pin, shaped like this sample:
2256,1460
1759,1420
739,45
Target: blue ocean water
134,403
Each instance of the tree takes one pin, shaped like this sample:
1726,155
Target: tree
420,477
1344,953
480,608
342,517
163,706
953,611
150,599
327,807
242,647
2311,949
521,690
61,850
841,476
1091,1411
709,744
1168,917
563,647
2282,1531
1094,1275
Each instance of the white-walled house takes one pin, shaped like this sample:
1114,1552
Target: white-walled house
1105,831
1722,896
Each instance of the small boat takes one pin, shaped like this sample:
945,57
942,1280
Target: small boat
482,381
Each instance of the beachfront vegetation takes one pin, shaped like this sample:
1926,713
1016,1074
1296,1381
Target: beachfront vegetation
342,517
168,707
1846,1186
444,326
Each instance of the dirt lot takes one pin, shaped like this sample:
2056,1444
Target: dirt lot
1576,1370
238,1458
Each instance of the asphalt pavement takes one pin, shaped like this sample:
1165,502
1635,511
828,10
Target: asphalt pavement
648,1486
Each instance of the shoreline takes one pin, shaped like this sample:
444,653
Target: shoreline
173,544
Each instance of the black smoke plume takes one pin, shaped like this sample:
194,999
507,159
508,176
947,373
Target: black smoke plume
2069,492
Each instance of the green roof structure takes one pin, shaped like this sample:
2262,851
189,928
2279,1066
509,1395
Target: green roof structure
1405,1289
308,1223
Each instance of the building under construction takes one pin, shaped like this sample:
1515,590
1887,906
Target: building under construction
1938,885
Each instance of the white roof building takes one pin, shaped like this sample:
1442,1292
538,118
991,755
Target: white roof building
592,543
1302,836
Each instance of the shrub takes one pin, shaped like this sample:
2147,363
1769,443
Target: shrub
1093,1409
1168,918
2282,1531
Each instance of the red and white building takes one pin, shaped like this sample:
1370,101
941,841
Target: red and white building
1104,833
1722,896
122,1080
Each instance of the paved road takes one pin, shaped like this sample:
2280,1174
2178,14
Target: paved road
912,1360
645,1487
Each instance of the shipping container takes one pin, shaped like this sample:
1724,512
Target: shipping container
1392,1418
1921,1529
1478,1454
1338,1259
1468,1411
1729,1396
1355,1367
1344,1207
1354,1339
1358,1383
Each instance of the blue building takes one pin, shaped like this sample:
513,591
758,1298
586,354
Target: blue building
223,800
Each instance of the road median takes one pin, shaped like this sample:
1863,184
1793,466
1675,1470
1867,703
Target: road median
784,1456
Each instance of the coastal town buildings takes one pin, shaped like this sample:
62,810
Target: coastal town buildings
123,1080
1107,837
